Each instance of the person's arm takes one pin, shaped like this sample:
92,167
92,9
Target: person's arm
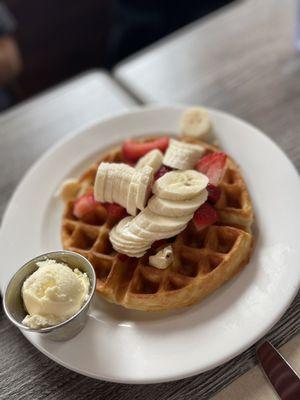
10,58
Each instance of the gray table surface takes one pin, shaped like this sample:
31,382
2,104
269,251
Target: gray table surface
29,129
240,59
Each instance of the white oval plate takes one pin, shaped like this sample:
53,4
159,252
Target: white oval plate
134,347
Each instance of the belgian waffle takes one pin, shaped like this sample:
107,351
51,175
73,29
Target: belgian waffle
203,260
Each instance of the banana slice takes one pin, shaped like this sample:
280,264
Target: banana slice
195,122
120,170
117,172
153,222
120,248
180,185
152,236
171,208
153,159
118,240
132,195
139,189
100,181
116,187
123,230
144,178
125,242
123,184
124,248
181,155
109,185
163,259
132,254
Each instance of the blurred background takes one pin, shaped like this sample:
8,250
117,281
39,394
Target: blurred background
45,42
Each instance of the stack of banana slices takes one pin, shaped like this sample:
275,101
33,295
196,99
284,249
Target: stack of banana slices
124,185
177,195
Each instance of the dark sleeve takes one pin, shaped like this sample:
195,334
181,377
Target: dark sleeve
7,21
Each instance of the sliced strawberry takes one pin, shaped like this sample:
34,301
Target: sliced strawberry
205,215
133,150
84,204
214,193
213,166
162,170
115,211
87,209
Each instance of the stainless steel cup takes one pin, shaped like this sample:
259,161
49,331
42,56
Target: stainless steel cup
13,301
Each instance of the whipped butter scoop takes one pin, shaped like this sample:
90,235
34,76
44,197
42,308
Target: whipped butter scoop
53,293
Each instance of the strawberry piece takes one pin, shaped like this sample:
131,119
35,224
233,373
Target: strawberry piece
205,215
86,209
214,193
162,170
213,166
115,211
133,150
84,205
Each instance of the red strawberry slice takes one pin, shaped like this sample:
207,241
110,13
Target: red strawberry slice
162,170
84,204
133,150
205,215
86,209
115,211
214,193
213,166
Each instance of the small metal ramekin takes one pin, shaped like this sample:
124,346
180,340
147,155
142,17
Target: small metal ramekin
13,301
